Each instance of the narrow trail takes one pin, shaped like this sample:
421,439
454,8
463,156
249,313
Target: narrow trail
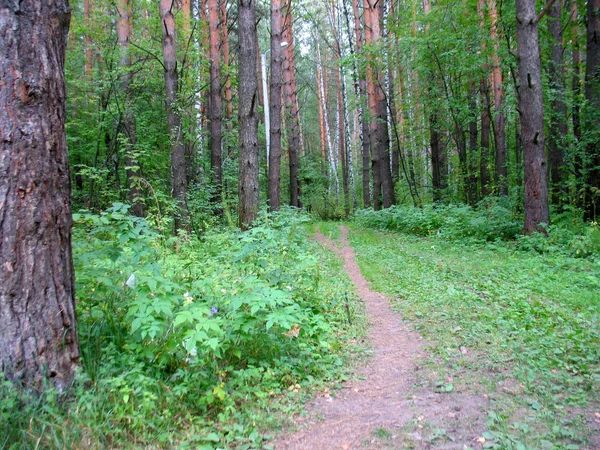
385,395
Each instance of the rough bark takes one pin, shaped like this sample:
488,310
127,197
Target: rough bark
275,104
592,95
37,291
226,63
437,158
290,94
531,110
379,138
364,123
178,172
248,122
214,98
499,116
558,109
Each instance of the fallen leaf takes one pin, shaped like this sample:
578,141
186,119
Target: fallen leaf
481,440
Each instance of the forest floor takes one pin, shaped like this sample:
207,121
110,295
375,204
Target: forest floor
388,404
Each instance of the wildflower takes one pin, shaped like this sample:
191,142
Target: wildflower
213,311
187,298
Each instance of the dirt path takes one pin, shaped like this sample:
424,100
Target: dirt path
384,409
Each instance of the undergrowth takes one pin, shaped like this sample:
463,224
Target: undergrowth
191,342
494,220
518,326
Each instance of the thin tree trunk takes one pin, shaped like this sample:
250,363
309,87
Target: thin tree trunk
39,339
214,98
469,172
178,172
499,116
592,95
343,143
322,138
290,91
532,117
333,175
558,109
575,110
89,52
364,123
129,123
275,104
226,63
248,122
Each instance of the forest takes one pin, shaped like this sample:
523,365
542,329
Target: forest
291,224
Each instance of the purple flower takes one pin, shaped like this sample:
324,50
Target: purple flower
213,311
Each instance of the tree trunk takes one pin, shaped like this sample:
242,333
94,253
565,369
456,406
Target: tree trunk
225,47
343,144
89,52
592,95
364,123
129,123
178,172
275,104
499,116
333,175
532,117
469,171
248,122
575,110
37,290
214,98
558,109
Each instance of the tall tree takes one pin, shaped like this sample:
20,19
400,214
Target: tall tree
484,161
592,95
558,109
132,169
178,172
37,290
499,115
379,138
214,97
275,104
248,120
291,106
364,123
531,109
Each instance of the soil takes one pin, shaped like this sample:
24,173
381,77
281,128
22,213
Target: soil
387,406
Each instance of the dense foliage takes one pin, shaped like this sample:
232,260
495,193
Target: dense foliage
196,341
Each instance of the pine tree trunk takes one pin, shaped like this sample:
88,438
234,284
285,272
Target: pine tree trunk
226,63
558,109
295,146
214,98
592,95
499,116
275,104
38,340
532,117
248,122
178,172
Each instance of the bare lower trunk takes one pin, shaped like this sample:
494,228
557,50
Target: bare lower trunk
38,340
532,117
499,116
178,172
364,123
558,109
591,202
214,98
275,105
248,122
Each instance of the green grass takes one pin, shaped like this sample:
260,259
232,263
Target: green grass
220,342
528,327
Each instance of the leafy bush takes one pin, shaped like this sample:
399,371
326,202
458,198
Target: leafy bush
492,220
187,340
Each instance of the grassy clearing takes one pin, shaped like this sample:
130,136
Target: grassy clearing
520,327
